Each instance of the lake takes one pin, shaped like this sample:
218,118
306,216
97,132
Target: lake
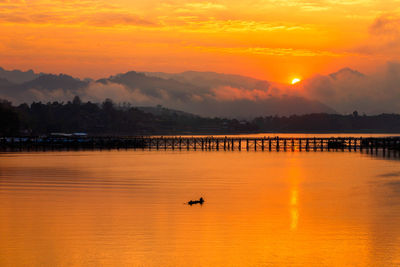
127,208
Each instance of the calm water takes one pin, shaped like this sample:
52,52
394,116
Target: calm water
125,208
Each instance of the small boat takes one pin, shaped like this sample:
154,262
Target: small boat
192,202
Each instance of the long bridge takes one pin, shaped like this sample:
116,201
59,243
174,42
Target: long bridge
204,143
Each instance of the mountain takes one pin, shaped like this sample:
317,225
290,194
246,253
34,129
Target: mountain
346,72
18,76
248,109
46,87
53,82
4,83
161,111
213,79
212,94
155,87
8,89
200,93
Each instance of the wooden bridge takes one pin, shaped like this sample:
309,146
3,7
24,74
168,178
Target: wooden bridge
206,143
269,143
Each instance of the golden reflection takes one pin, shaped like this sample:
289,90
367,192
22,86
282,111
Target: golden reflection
125,208
295,177
294,212
293,199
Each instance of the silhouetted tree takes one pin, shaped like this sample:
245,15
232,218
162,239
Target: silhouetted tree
9,120
108,119
77,101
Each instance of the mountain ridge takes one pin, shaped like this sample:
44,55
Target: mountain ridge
201,93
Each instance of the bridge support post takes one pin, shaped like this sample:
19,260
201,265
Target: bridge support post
371,145
277,143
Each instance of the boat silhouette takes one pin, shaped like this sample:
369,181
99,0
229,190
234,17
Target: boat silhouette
192,202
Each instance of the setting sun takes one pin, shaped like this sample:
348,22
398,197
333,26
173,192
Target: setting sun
295,80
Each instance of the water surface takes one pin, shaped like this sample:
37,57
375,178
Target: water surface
126,208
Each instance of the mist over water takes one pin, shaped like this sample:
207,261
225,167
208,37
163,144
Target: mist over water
119,208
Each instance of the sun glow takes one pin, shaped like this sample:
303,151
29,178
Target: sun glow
295,80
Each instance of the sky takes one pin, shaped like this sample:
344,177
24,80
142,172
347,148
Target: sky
274,40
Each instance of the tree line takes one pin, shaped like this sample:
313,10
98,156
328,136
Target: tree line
107,118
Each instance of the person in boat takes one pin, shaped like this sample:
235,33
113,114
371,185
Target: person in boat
200,201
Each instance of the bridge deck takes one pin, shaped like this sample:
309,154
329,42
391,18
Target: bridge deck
207,142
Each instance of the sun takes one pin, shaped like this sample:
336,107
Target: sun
295,80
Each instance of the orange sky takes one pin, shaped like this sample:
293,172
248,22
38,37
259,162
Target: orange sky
268,39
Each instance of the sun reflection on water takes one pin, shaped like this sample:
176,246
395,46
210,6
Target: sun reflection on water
295,175
294,212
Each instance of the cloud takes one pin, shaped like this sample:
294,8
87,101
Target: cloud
59,12
390,174
139,96
228,93
193,7
387,24
107,19
348,90
207,94
227,101
384,37
97,92
194,23
344,91
205,5
271,51
317,4
48,95
213,94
